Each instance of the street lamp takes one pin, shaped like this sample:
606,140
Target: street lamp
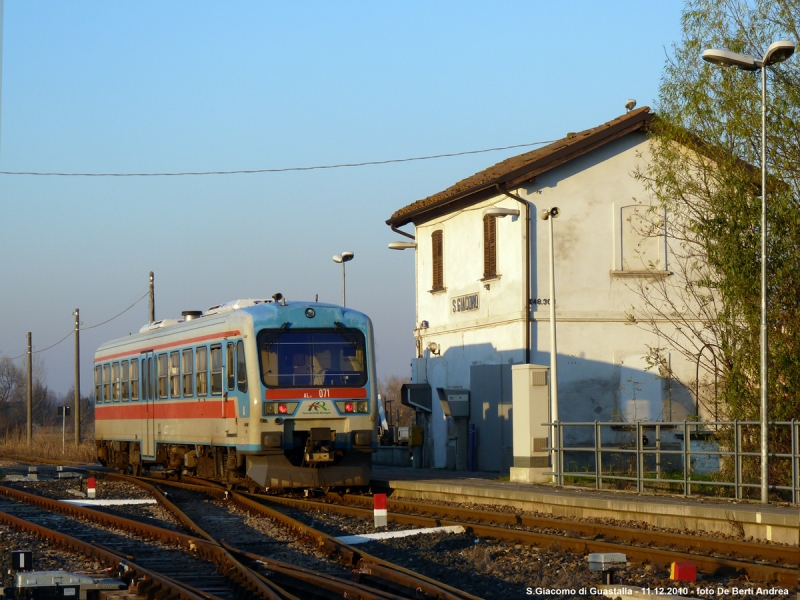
550,214
777,52
343,258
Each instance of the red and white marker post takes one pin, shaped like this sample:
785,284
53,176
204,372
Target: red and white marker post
380,510
91,491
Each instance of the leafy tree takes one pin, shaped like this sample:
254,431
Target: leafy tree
704,174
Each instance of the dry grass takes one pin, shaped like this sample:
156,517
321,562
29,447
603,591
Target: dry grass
46,444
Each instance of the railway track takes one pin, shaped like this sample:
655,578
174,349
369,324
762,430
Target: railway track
246,573
762,562
376,573
186,576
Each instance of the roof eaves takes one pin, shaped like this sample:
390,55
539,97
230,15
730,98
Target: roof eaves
553,155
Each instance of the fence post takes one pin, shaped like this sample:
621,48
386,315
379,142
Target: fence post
687,490
658,451
795,460
559,437
639,473
737,458
598,458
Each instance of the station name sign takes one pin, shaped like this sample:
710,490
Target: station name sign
464,303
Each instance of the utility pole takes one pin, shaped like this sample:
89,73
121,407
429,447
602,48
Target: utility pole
30,392
77,378
152,298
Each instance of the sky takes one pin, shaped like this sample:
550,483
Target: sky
150,86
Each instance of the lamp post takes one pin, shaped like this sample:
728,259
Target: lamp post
777,52
343,258
550,214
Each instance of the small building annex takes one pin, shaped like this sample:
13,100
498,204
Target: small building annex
482,287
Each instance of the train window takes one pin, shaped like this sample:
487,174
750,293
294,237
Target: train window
106,383
115,382
241,367
163,376
202,370
124,367
151,376
230,367
312,357
188,382
98,380
134,379
216,370
175,374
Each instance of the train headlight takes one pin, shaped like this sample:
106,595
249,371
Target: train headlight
352,406
269,408
310,312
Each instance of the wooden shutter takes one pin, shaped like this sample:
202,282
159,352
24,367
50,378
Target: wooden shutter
438,260
489,247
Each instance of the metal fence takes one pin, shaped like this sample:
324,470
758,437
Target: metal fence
690,457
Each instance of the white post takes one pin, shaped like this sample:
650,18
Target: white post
764,343
553,347
63,427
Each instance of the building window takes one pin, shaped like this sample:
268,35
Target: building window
489,247
188,381
641,239
438,261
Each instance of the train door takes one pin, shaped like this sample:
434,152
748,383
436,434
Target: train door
237,405
148,396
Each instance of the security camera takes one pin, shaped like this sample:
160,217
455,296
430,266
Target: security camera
630,104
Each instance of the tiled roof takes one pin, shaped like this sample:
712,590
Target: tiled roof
516,170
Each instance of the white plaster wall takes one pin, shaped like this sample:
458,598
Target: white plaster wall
600,355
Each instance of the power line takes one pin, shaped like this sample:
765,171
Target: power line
119,314
84,328
283,170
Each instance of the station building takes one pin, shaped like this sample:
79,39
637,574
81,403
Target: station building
482,290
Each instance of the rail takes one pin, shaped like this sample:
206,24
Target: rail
719,458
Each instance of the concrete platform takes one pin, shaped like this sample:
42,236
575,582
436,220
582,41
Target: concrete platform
778,523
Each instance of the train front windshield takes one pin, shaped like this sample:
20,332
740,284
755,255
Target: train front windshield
312,358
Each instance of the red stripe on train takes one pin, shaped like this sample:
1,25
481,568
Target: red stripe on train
314,393
211,409
194,340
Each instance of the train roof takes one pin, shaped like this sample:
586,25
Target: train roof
218,318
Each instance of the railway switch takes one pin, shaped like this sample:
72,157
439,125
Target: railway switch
58,584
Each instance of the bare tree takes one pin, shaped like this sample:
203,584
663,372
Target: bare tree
397,414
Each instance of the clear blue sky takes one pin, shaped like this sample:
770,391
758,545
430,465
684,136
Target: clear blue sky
194,86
